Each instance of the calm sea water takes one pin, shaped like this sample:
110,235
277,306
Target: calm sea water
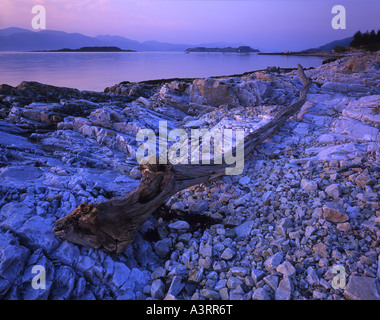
96,71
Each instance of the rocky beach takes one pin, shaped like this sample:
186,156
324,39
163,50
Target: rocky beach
302,222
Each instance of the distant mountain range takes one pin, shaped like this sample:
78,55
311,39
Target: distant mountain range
17,39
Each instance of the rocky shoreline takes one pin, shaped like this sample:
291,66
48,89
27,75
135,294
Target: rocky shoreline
306,205
322,54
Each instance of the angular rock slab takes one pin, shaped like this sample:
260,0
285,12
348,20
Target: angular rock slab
362,288
333,212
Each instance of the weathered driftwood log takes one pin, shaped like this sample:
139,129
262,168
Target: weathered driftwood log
111,225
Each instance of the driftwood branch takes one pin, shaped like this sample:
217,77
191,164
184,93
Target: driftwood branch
111,225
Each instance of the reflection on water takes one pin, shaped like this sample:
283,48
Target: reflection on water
96,71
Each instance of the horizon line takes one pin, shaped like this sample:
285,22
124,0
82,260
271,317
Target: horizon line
151,40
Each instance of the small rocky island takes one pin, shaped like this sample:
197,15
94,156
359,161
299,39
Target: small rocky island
306,204
89,49
241,49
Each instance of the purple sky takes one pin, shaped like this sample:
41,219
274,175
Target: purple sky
263,24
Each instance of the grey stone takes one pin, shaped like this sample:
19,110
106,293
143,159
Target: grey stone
162,247
80,288
321,250
355,129
176,286
371,224
239,271
135,174
345,226
362,288
224,294
344,87
196,275
363,179
244,230
273,261
179,225
287,269
120,275
309,231
219,266
333,191
205,249
86,265
170,297
37,233
218,247
10,220
319,295
157,289
244,180
13,259
284,290
67,253
237,293
309,185
283,225
64,283
261,294
158,273
267,195
194,124
220,284
294,235
333,212
136,281
233,282
205,262
175,268
210,294
272,282
312,276
228,254
144,252
199,206
257,275
179,205
326,138
185,237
